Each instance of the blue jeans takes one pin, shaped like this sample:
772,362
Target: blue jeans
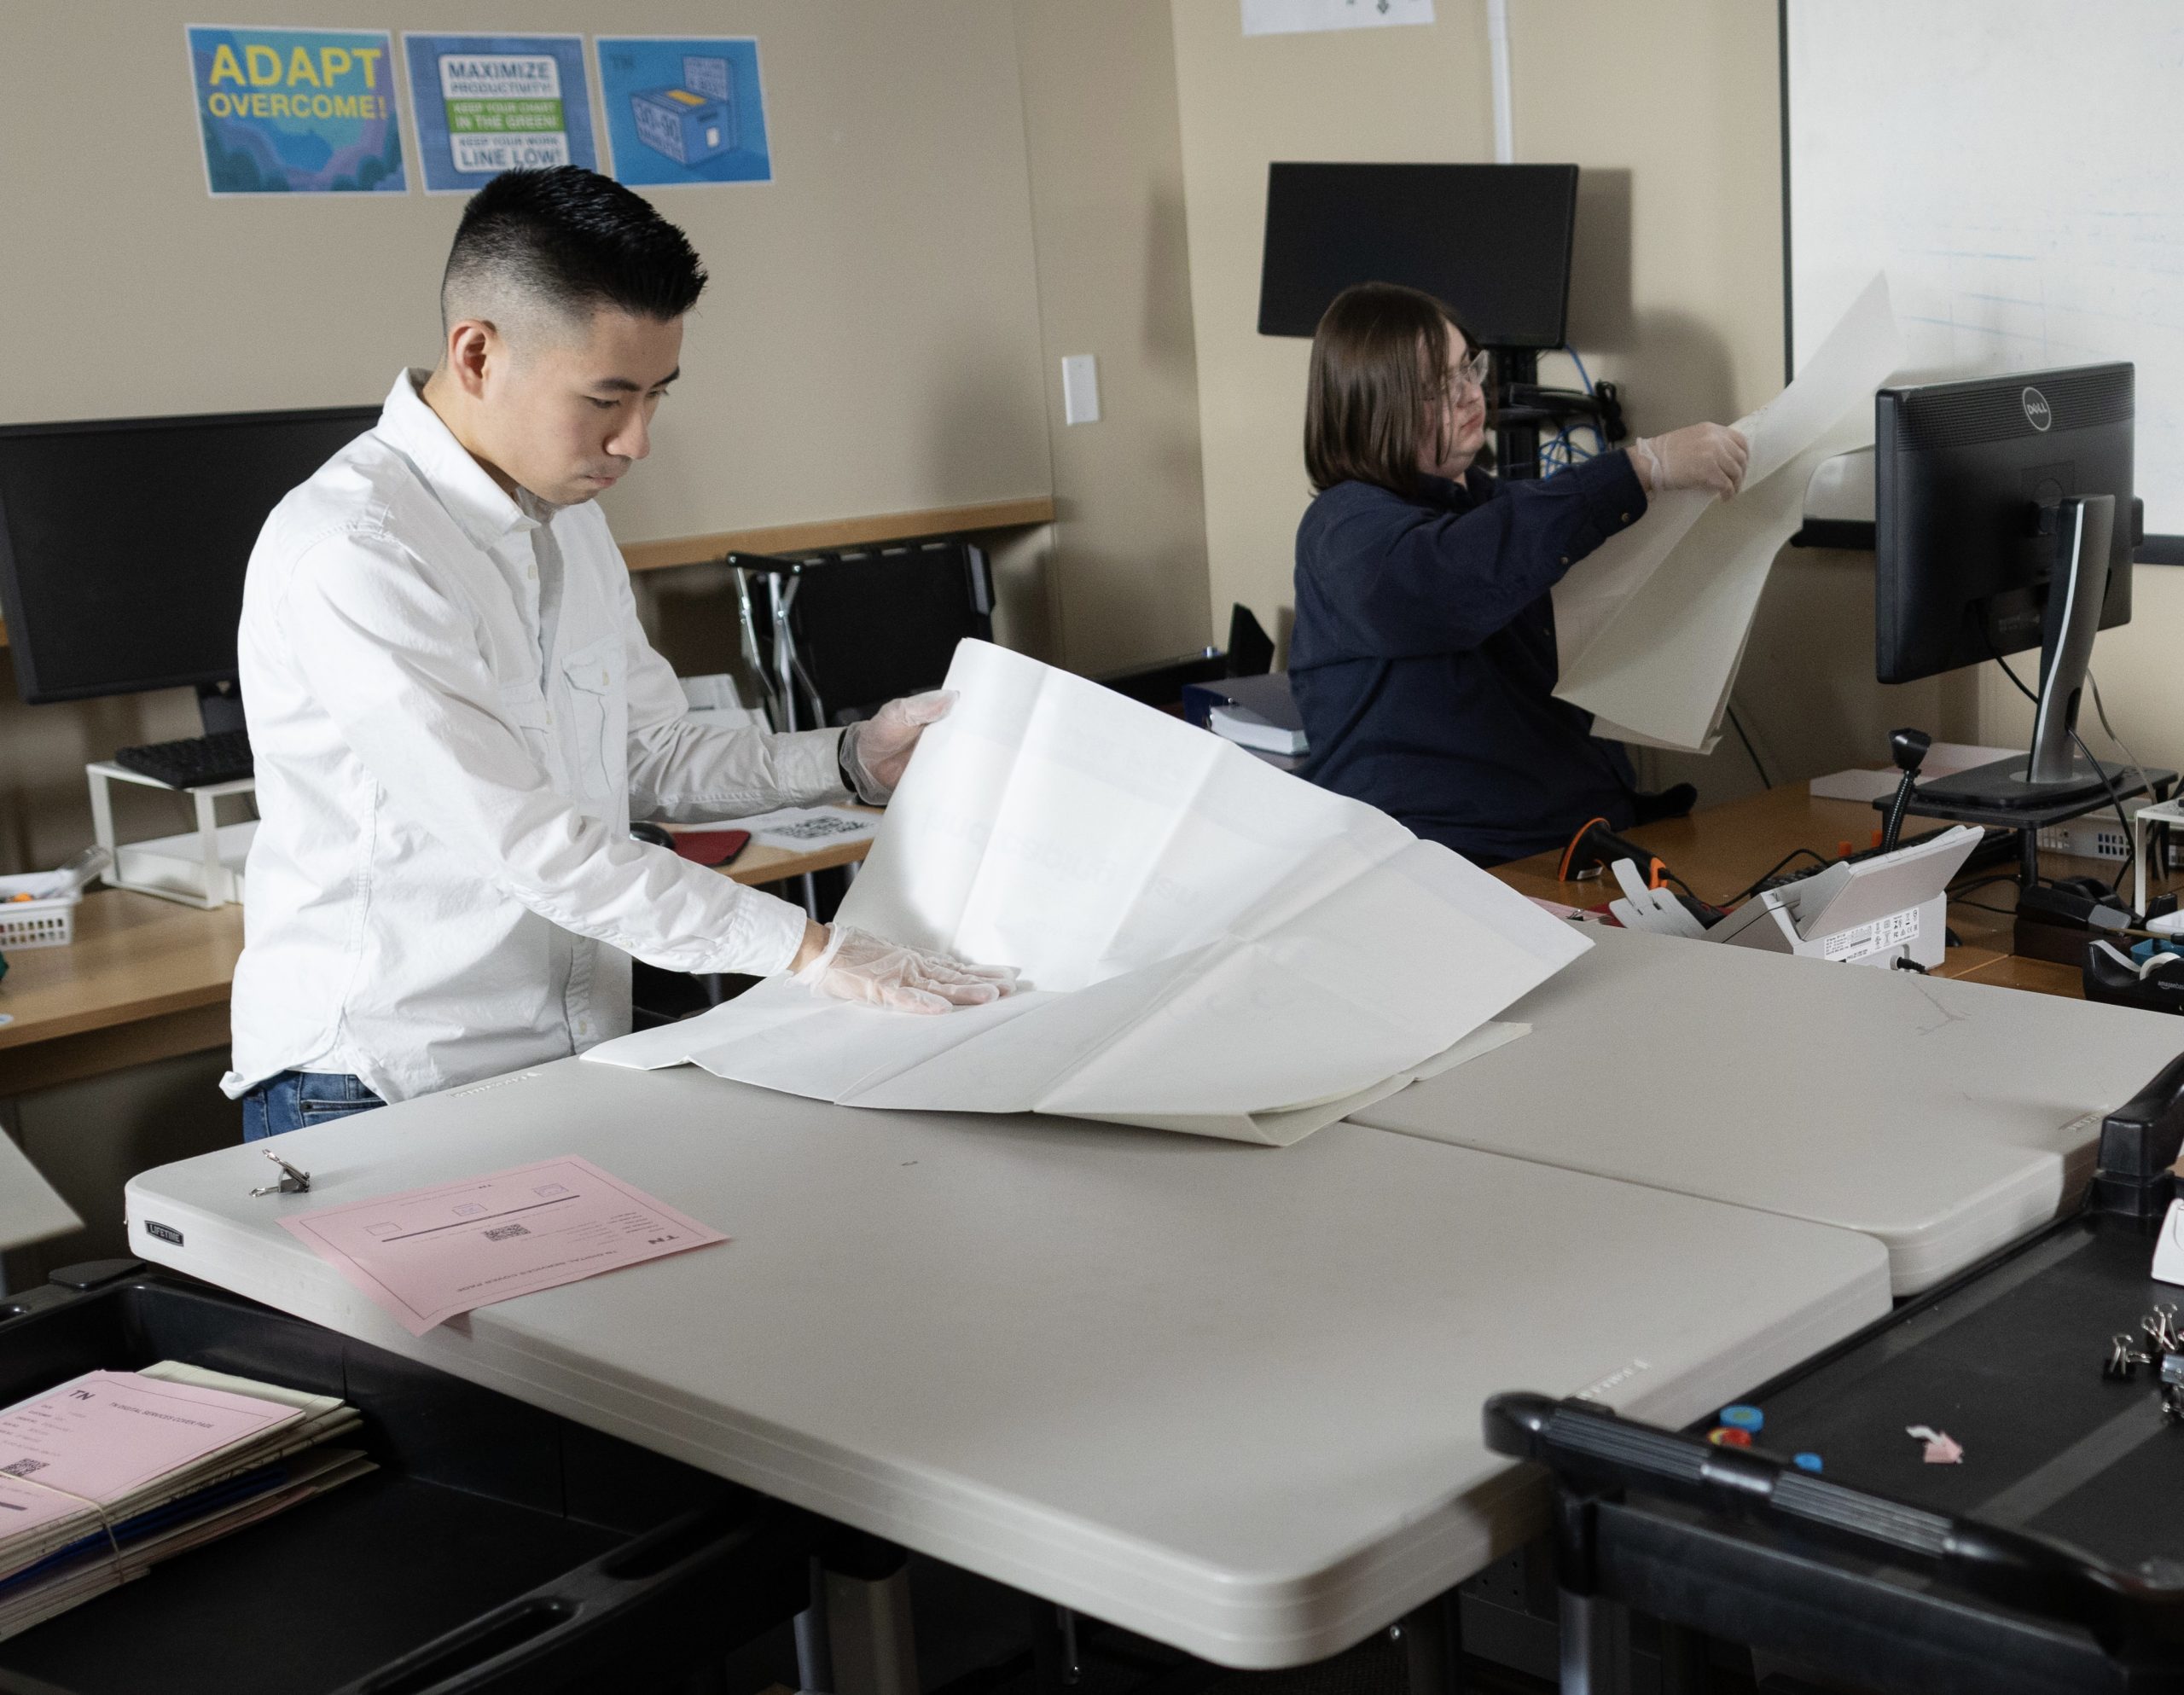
294,1099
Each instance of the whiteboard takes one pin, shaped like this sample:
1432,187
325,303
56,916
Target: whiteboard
2015,165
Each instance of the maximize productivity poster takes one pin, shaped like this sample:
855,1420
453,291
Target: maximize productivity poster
488,103
683,110
297,111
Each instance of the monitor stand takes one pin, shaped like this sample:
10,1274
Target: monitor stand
219,707
2052,781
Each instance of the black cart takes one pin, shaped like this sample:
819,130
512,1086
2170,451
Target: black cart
496,1547
2050,1559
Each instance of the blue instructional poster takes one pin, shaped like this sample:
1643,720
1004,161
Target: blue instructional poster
683,110
488,103
297,111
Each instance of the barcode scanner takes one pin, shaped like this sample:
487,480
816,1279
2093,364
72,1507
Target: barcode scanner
1595,847
1908,748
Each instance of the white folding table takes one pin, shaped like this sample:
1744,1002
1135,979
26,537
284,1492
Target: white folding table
1944,1119
1223,1395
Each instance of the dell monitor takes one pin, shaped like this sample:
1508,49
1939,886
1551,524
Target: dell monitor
1491,242
2005,521
123,542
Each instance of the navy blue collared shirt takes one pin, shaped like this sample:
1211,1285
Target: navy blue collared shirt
1423,660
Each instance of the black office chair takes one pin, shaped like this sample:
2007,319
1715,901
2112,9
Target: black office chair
861,628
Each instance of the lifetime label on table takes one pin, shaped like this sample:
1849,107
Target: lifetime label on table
1883,933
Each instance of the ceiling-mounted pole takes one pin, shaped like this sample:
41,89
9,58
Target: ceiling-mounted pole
1497,45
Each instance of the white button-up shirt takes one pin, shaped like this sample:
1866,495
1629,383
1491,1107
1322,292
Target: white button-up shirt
453,712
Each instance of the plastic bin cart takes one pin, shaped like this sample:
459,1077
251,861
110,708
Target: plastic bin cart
496,1547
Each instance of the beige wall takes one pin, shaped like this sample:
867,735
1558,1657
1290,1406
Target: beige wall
869,343
1380,94
1129,578
964,191
1672,110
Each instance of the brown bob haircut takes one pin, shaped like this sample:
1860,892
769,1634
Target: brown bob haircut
1379,368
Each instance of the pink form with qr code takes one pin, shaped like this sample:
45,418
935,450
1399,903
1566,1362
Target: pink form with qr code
429,1254
97,1436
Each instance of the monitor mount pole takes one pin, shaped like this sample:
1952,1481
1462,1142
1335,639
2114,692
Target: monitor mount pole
2085,526
2054,780
1524,412
1516,437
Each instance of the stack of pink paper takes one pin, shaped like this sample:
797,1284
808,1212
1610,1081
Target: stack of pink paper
104,1476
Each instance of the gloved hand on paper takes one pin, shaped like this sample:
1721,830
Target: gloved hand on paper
856,966
1210,945
1708,456
1651,626
877,751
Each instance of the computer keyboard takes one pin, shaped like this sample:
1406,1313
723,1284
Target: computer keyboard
200,761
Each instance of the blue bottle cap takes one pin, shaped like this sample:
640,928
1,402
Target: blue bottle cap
1744,1418
1806,1462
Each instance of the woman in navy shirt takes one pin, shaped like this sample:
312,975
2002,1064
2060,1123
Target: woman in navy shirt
1423,659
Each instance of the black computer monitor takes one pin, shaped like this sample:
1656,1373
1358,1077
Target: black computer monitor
1492,242
2005,521
123,542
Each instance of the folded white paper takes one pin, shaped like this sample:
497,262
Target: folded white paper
1208,944
1651,625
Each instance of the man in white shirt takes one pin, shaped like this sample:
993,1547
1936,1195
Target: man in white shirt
454,712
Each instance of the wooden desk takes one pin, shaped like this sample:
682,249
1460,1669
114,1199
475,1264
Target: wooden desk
147,980
144,979
1720,850
756,864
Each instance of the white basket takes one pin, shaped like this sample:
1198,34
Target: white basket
36,924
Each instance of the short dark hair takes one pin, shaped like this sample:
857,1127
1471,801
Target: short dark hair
576,241
1379,365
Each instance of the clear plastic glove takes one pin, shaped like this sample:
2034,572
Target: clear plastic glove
1709,456
877,751
855,965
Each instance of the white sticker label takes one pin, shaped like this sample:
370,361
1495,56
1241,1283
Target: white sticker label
2169,1251
1298,17
1883,933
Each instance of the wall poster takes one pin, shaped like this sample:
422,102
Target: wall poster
488,103
297,111
683,110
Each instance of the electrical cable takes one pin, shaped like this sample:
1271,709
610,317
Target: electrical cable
2145,782
1765,781
1983,883
1752,888
2100,711
2108,782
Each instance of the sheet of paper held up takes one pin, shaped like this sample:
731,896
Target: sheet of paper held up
1208,944
428,1254
1651,625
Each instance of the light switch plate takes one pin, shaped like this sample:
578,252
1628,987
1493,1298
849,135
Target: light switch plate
1080,389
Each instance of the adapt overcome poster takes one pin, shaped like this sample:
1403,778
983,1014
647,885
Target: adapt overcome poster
297,111
488,103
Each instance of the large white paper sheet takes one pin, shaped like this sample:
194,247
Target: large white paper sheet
1208,944
1651,625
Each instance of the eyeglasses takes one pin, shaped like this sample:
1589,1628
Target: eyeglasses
1472,373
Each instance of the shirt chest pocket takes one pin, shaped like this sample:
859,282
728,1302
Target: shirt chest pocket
525,706
597,734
